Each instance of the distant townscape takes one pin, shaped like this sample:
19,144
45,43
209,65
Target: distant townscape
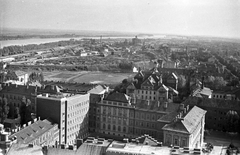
163,95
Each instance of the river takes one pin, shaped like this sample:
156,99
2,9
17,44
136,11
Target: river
4,43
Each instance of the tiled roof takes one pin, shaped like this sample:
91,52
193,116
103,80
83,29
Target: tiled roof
188,123
18,89
23,149
33,131
153,106
202,92
169,117
99,89
81,87
119,97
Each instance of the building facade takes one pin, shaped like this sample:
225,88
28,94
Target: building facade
118,115
154,86
187,129
69,111
39,132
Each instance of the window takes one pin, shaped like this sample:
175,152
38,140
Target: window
109,127
114,128
119,128
104,126
176,142
124,129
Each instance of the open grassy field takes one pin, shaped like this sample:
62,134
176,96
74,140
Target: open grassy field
87,77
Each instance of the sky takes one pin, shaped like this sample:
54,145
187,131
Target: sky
184,17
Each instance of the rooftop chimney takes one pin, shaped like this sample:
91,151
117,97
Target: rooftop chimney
181,107
202,82
148,102
165,105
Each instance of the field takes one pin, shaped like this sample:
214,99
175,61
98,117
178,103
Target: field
87,77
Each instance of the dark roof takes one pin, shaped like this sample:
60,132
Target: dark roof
154,106
214,103
169,117
188,123
80,87
119,97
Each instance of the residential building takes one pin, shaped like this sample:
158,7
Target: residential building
96,94
39,132
187,130
154,86
118,115
69,111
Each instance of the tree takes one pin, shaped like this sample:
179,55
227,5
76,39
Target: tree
22,112
182,82
4,109
33,77
232,119
25,110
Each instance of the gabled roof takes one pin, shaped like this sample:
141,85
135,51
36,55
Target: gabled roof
173,90
119,97
188,123
146,139
163,86
139,75
149,82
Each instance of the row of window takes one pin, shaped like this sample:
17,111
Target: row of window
78,112
114,111
114,128
114,120
73,107
115,103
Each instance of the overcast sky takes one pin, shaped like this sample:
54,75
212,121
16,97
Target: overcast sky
189,17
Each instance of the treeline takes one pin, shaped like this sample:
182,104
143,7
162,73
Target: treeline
16,49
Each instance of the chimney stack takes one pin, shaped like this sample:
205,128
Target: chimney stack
202,82
181,107
187,107
148,102
165,105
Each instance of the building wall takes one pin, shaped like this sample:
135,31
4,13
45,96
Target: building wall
76,125
223,96
70,113
48,138
191,140
113,118
176,139
148,94
117,119
53,109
